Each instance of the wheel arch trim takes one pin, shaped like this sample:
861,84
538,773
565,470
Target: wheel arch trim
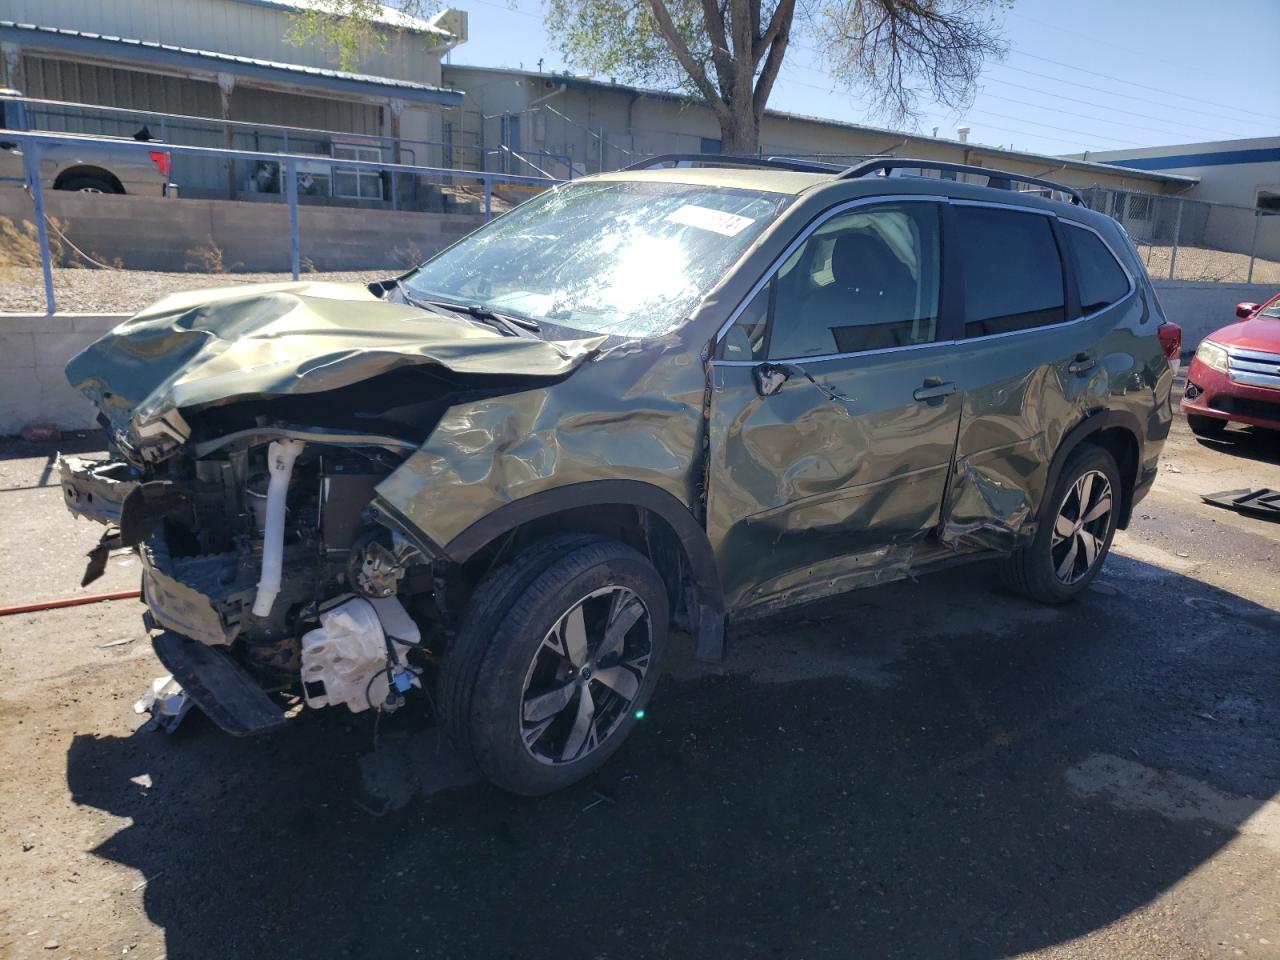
1090,426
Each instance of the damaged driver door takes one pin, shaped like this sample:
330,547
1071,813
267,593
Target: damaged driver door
834,408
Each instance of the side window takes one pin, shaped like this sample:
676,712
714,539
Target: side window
1099,277
1012,271
864,280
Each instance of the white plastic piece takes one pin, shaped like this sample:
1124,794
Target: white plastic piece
280,457
347,657
395,620
167,703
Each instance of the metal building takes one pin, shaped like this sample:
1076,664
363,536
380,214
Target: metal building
232,60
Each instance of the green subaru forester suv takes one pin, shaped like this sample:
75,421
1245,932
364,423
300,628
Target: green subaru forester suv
673,397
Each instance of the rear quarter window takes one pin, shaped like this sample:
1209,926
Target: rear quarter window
1012,271
1099,276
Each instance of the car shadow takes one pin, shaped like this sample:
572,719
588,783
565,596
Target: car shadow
914,770
1251,443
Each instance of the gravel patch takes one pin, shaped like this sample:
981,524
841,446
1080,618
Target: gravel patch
127,291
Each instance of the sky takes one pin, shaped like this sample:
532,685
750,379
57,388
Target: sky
1080,75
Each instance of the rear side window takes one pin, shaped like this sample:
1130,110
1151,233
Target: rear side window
1098,275
1012,271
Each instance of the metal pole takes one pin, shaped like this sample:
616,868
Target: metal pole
488,198
1253,246
31,159
291,181
284,136
1177,229
392,177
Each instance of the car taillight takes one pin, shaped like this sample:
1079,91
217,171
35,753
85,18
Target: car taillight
163,160
1171,341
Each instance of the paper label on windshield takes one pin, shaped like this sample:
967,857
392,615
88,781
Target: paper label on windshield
705,218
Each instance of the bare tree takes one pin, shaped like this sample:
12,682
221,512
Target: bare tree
729,52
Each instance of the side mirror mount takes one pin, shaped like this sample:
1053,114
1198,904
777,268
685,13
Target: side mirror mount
1245,310
770,377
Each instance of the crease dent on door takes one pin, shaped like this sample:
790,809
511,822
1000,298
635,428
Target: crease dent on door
1008,436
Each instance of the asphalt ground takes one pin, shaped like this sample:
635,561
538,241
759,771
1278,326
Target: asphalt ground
928,769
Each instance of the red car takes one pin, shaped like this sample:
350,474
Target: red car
1235,374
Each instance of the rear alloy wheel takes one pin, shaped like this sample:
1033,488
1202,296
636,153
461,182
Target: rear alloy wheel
1081,527
1208,427
1073,539
545,695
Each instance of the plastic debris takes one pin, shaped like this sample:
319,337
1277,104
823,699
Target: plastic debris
167,703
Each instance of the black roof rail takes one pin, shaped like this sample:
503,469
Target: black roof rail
729,160
997,179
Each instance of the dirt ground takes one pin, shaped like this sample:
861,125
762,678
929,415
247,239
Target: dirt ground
127,291
1199,263
931,769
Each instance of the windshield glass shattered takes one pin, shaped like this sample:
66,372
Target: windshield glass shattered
625,258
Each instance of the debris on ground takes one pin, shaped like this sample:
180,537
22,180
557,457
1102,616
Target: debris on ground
167,703
1262,502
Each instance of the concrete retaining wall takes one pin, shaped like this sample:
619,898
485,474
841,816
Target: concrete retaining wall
153,233
1201,308
34,349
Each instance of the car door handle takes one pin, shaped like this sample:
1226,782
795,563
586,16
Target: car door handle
1081,364
934,390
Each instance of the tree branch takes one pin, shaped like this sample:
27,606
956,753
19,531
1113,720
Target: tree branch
680,50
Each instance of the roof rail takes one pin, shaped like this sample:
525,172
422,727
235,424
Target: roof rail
728,160
996,179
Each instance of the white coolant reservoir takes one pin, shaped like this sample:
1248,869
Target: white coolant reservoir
345,659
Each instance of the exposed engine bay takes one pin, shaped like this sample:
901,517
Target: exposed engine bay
272,552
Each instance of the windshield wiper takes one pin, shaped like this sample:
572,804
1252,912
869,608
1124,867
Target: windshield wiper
508,323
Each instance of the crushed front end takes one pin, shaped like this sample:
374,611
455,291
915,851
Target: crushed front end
249,431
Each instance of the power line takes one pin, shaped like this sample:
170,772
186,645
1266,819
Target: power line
1052,126
1114,93
1134,83
1094,103
1084,116
1058,28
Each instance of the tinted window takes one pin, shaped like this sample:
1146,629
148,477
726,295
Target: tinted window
1100,278
864,280
1012,271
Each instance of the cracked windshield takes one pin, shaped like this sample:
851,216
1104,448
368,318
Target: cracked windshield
624,259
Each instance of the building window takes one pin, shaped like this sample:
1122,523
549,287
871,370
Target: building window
1269,201
709,145
361,183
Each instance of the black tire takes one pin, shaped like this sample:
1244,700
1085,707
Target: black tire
89,185
1209,427
484,677
1033,570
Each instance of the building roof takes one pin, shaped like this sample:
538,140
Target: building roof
150,52
1182,156
1060,162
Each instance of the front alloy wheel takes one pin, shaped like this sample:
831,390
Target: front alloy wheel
556,657
585,675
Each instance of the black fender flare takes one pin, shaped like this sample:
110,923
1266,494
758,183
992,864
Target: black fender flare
1091,424
703,570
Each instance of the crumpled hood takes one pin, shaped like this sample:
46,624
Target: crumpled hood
260,340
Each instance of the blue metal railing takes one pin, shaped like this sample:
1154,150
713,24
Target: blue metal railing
31,144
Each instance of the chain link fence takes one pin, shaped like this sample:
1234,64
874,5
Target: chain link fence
1184,239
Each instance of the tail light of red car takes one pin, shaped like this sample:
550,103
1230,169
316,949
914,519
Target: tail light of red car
163,160
1171,342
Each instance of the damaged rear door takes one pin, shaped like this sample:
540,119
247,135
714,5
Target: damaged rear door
834,408
1026,367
